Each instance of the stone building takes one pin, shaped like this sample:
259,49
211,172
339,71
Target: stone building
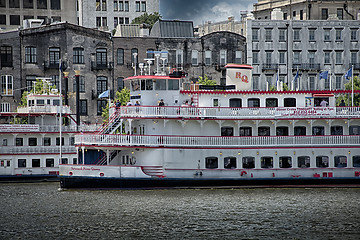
308,9
281,48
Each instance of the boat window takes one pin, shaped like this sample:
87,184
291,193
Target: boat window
356,161
322,161
40,102
340,161
173,84
143,85
215,102
135,85
21,163
304,162
271,102
235,102
318,131
35,162
282,131
19,142
49,162
47,141
48,102
285,162
317,102
32,141
336,130
227,131
211,162
58,141
266,162
300,131
245,131
229,162
289,102
248,162
160,84
74,160
354,130
149,84
64,161
253,102
56,102
31,103
264,131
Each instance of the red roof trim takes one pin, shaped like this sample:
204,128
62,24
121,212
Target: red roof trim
150,77
323,95
232,65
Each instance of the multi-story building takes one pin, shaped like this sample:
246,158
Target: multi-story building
103,14
308,9
282,48
104,61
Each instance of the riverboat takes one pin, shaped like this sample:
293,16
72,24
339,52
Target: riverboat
219,136
30,148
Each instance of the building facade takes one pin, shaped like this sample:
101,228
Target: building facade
308,9
282,48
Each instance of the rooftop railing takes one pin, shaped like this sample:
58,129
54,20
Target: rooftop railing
215,141
44,109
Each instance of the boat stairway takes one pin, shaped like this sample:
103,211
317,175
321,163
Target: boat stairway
103,158
112,125
156,171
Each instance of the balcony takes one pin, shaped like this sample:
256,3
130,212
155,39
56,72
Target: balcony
307,66
214,141
270,66
51,65
356,65
102,66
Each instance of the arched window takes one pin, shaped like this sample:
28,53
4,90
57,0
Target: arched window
248,162
290,102
227,131
266,162
271,102
300,131
253,102
336,130
322,161
304,162
340,161
245,131
282,131
263,131
235,102
318,131
211,162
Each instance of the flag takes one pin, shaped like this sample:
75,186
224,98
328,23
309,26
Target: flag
104,94
323,75
348,74
296,76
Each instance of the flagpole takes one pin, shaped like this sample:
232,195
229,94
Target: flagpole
60,121
352,85
330,79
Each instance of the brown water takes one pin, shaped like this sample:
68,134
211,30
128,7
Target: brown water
42,211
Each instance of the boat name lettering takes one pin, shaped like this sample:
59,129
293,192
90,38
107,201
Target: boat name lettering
243,78
304,111
85,168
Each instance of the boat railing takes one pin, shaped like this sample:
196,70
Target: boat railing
36,149
44,109
235,113
213,141
9,128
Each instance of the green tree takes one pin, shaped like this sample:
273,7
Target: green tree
123,97
206,81
347,98
146,18
41,87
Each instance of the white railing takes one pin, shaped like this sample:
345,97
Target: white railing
236,113
36,149
9,128
44,109
211,141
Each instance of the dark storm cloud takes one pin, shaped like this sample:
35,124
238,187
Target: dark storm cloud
200,11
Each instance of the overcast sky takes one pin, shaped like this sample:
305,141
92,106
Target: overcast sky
200,11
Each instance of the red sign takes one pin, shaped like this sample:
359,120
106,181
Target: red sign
243,78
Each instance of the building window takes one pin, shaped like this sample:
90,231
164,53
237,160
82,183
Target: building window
101,104
238,57
179,57
83,107
116,22
268,57
311,34
64,161
98,5
116,6
324,14
2,19
6,56
126,8
143,6
208,58
7,85
353,34
19,142
98,21
42,4
78,57
229,162
120,83
301,14
32,141
282,37
223,57
54,55
49,162
104,21
338,35
327,35
282,57
21,163
120,56
327,57
248,162
81,84
304,162
312,82
194,57
353,57
255,82
268,35
296,59
127,20
14,20
245,131
121,6
311,56
338,57
263,131
296,34
30,54
340,13
103,5
121,20
285,16
47,141
5,107
101,57
338,81
137,6
150,54
211,162
101,83
255,34
255,58
55,81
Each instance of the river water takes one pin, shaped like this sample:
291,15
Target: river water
42,211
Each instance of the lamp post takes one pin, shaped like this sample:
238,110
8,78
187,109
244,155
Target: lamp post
77,80
135,55
149,61
141,66
157,55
